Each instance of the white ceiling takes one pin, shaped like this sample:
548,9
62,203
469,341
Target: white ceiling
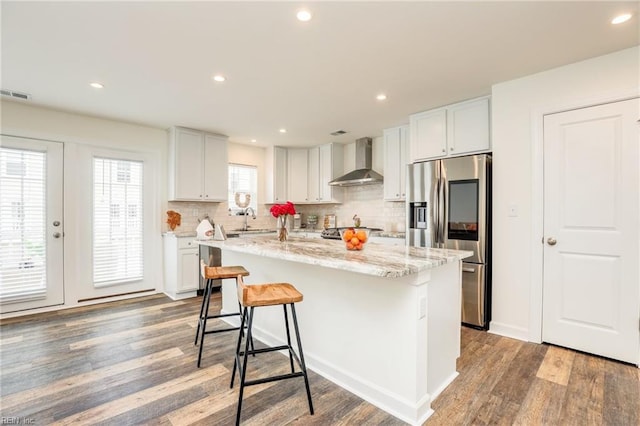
156,59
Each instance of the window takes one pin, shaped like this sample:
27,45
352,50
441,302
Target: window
242,179
23,272
117,221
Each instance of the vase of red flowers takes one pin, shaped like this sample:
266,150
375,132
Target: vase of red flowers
282,212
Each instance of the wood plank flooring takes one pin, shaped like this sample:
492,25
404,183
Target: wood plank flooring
134,362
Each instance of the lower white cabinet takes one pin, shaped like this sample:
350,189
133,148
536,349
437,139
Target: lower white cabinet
181,269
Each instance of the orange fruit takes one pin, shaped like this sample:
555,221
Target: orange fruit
348,235
349,246
362,236
355,241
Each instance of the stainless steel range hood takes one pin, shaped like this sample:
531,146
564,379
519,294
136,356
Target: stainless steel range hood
364,174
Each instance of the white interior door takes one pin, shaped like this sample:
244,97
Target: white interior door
591,289
31,225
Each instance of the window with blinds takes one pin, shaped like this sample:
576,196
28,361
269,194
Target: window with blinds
23,188
117,221
243,179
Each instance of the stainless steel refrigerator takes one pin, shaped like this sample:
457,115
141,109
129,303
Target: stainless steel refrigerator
449,206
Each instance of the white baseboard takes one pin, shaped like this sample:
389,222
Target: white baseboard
506,330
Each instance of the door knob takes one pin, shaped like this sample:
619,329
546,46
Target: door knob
551,241
57,235
56,223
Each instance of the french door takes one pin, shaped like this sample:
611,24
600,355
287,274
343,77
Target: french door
31,224
591,288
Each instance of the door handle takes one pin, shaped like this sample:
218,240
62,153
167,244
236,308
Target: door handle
471,270
551,241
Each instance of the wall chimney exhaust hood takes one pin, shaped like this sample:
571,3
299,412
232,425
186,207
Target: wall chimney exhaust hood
364,174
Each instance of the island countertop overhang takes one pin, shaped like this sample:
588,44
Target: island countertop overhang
376,259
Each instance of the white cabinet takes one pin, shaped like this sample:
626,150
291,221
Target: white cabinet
276,167
428,134
181,269
325,164
468,127
302,175
396,142
297,177
198,166
450,131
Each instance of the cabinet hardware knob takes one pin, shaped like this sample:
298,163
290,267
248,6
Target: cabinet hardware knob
451,149
444,150
551,241
56,223
57,235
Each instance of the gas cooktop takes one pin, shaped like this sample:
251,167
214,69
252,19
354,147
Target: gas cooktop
334,233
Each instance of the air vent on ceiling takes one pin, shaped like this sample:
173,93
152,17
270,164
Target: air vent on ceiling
16,95
338,133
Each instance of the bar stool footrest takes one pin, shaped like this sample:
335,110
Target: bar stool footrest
223,315
273,378
222,330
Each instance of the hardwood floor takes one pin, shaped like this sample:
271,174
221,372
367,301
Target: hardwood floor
134,362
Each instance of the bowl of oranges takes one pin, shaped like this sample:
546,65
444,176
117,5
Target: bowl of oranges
354,238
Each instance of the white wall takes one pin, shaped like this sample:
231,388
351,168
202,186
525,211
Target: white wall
517,108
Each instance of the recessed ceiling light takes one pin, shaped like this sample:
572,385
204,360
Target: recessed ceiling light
621,18
283,130
253,141
96,85
219,78
303,15
381,97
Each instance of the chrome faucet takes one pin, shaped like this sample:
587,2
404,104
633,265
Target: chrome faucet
246,214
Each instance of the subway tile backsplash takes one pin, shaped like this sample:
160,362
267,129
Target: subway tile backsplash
365,201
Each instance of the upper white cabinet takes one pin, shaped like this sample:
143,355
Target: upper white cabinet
396,143
325,164
198,166
276,171
298,166
302,175
454,130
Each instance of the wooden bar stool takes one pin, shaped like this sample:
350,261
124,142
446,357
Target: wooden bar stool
211,273
253,296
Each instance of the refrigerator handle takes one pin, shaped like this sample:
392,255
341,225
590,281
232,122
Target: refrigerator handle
442,205
436,214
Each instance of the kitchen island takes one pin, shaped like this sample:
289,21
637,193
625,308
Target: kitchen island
383,323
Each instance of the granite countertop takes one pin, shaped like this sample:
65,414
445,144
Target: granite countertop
376,259
181,234
386,234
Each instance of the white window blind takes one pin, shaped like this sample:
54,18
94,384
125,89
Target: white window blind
117,221
23,272
242,179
